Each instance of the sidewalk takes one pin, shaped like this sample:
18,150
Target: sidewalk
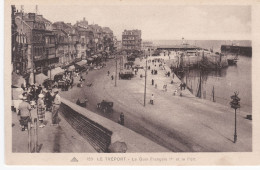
161,79
60,139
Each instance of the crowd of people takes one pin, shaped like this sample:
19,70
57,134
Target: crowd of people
37,97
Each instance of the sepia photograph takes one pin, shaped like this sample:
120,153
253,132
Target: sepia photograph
117,78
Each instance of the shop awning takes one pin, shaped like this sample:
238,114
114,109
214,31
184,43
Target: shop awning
81,63
54,72
17,80
40,78
71,68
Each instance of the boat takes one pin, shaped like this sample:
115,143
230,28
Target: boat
232,61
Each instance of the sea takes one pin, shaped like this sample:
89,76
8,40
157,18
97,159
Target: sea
223,83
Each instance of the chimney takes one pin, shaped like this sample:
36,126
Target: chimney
31,16
36,9
22,9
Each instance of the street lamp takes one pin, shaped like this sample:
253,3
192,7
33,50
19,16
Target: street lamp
96,41
116,70
145,78
235,105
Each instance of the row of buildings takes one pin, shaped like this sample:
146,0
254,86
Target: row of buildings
39,45
132,40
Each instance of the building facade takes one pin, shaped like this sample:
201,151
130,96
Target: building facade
132,40
39,46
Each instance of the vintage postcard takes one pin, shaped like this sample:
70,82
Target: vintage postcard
120,82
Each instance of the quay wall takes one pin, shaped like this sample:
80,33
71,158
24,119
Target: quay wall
101,132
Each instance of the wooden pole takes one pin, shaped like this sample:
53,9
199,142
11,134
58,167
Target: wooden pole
145,81
213,94
29,137
116,72
35,135
235,134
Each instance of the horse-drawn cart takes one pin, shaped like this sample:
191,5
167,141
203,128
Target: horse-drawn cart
105,106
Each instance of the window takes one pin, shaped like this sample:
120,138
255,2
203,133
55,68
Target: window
47,40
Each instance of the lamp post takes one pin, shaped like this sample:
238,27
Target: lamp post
116,70
96,41
145,79
34,72
235,105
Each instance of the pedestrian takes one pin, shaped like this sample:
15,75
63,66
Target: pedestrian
108,73
48,100
25,114
152,81
71,82
112,77
155,86
165,88
182,85
33,92
152,99
56,106
41,110
122,119
175,92
152,72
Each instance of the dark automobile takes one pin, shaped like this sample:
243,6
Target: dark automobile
82,103
105,106
126,75
58,77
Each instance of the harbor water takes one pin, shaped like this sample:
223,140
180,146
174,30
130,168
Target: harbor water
223,83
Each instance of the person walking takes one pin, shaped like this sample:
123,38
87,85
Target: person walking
71,82
48,100
122,119
55,108
25,114
112,77
152,81
108,73
41,110
152,99
184,85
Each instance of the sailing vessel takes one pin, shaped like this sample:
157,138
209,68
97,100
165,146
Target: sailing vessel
233,61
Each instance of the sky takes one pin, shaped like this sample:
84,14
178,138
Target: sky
160,22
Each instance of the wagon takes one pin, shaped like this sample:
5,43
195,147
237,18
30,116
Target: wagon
105,106
126,75
61,84
82,103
